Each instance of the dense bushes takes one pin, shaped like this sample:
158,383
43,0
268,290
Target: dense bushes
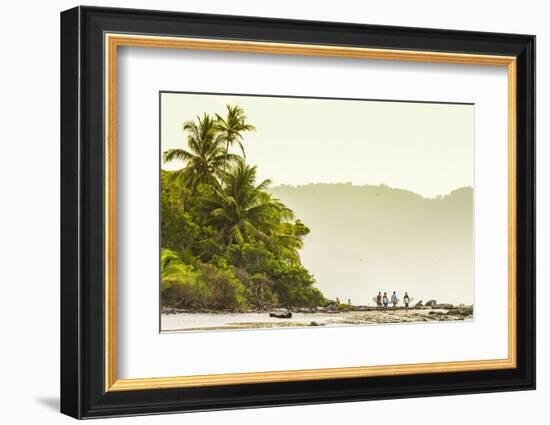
265,282
202,287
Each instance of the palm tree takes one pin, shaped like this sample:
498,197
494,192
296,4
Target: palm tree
242,209
232,127
288,239
205,156
171,268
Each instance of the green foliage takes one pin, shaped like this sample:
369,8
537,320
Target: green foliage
177,228
178,282
206,287
225,291
205,156
227,243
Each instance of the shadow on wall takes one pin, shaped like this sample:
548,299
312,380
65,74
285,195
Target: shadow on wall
49,402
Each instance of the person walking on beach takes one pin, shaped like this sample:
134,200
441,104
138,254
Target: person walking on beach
385,300
379,299
394,299
406,300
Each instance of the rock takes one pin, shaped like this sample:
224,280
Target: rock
281,314
464,311
315,324
443,306
363,308
431,303
418,304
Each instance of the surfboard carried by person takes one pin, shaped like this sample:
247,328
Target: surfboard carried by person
394,299
385,300
406,300
378,299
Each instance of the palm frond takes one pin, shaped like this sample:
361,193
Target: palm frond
176,154
264,185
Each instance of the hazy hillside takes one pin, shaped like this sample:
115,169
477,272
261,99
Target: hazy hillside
369,238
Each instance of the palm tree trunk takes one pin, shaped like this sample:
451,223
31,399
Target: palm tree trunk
229,142
224,163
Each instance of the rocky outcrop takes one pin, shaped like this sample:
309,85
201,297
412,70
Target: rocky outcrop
443,306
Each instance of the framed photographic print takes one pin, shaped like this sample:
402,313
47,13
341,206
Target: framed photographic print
261,212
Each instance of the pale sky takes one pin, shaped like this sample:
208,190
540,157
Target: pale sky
423,147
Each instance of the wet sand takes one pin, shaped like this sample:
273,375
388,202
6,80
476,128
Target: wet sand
185,322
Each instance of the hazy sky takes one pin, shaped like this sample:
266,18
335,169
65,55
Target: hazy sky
422,147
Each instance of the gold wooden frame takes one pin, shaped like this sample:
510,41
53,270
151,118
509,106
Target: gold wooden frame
113,41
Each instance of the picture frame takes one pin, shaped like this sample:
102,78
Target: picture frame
91,37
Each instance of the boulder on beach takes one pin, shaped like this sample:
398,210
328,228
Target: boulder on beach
418,304
431,303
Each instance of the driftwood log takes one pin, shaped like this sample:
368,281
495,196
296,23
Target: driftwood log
281,314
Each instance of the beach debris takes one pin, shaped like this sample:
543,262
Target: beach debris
306,309
281,314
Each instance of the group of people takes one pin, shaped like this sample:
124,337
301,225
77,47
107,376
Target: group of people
338,301
383,300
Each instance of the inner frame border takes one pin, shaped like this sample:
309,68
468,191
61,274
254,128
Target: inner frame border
113,40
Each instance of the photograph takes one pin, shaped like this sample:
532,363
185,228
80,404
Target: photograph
279,212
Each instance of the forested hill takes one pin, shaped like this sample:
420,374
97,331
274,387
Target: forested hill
366,239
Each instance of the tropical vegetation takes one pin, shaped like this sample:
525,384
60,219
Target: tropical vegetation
227,243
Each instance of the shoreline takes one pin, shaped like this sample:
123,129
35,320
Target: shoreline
313,310
217,321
